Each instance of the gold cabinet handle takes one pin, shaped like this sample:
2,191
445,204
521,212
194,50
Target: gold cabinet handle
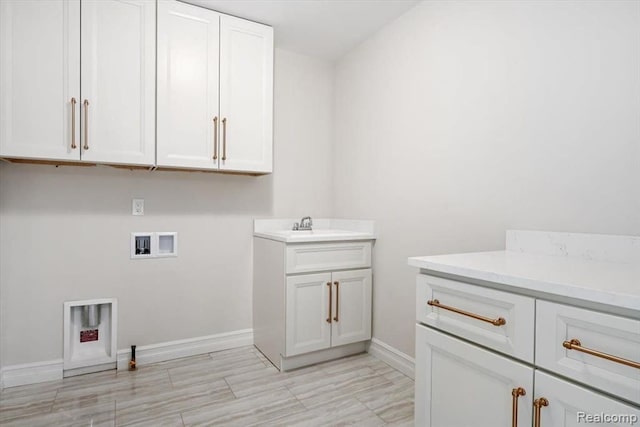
538,404
337,300
495,322
515,394
224,139
73,123
86,124
330,288
575,344
215,138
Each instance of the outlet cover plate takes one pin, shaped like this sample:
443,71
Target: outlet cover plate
137,207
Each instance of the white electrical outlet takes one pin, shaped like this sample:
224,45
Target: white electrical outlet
137,207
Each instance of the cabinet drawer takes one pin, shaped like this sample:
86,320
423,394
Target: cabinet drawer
606,333
514,337
328,256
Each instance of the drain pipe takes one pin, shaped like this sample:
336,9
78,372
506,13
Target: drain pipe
132,362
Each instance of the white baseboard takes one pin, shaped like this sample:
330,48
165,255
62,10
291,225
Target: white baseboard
184,348
31,373
392,357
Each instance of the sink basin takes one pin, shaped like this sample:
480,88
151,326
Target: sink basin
319,235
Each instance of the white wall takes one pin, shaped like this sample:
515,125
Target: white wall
462,119
65,231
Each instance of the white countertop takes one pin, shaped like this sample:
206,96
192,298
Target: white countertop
324,230
611,282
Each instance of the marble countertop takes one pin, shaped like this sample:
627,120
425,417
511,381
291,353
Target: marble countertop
609,278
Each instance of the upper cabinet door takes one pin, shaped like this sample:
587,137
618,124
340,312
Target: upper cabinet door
188,61
246,95
118,81
39,77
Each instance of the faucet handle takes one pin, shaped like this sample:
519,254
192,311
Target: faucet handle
295,226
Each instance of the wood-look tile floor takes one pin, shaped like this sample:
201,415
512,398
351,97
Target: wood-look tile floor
236,387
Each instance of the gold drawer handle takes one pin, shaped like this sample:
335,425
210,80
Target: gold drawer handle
337,301
215,138
73,123
515,394
224,139
330,298
575,344
495,322
86,125
538,404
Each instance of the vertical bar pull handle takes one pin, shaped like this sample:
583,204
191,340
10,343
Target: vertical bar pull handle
538,404
330,288
215,138
515,393
337,301
86,124
224,139
73,123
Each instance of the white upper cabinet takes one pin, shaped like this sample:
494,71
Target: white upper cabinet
188,61
65,100
39,78
246,95
118,81
215,90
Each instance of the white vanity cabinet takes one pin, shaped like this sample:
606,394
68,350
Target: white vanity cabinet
78,81
312,301
215,90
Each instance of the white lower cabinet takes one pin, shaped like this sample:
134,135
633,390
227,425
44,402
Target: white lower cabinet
461,385
585,369
327,310
311,301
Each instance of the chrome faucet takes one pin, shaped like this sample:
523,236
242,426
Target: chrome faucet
305,224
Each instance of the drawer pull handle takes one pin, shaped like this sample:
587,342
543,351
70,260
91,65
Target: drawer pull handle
515,394
224,139
330,288
73,124
86,125
575,344
215,138
495,322
538,404
337,301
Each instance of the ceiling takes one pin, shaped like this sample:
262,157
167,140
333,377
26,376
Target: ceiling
322,28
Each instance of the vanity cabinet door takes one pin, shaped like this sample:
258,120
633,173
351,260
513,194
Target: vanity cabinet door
461,385
307,324
351,320
40,79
